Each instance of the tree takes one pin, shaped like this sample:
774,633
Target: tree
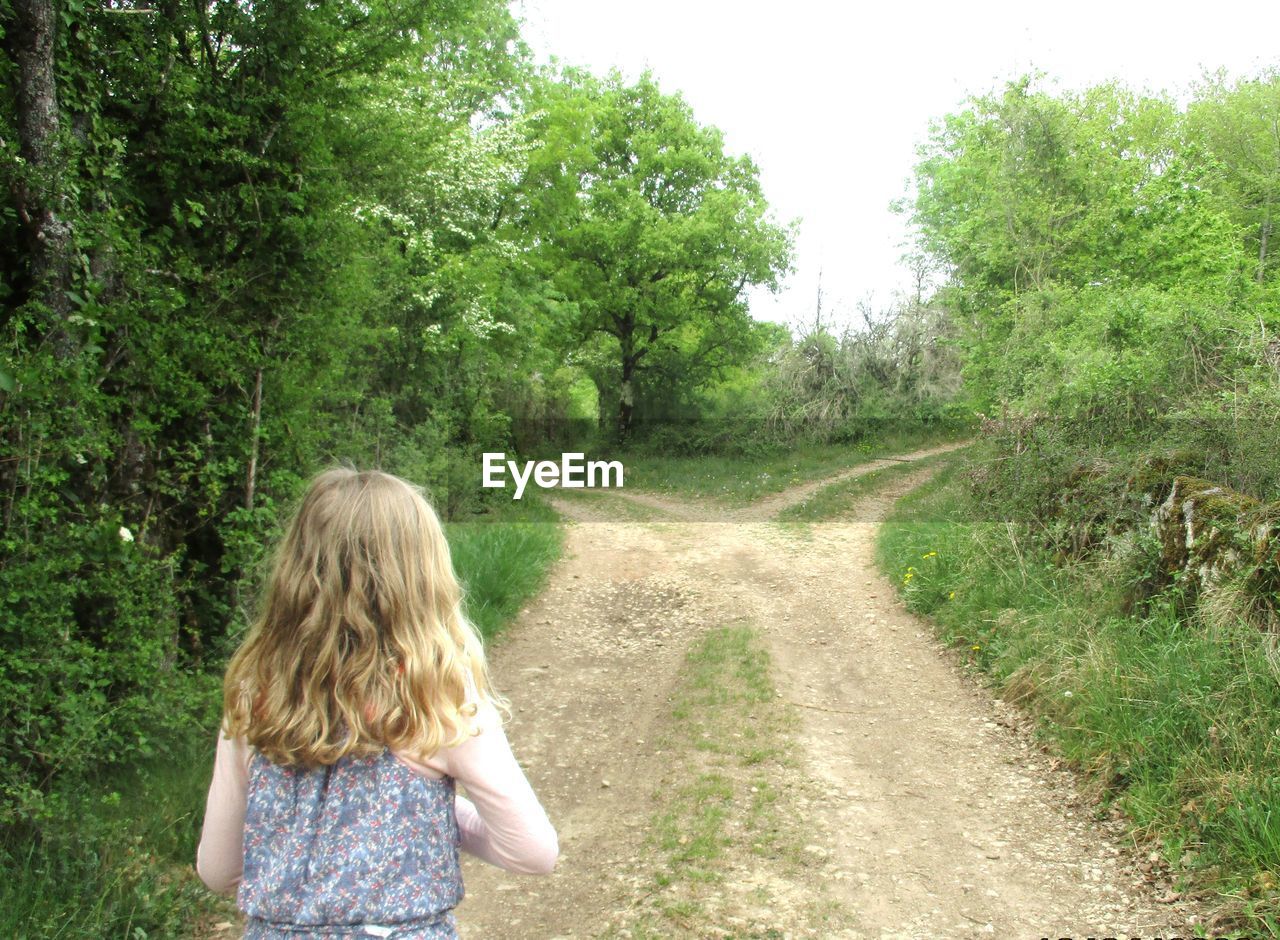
1080,237
1239,126
649,227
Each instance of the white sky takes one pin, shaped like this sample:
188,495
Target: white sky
831,99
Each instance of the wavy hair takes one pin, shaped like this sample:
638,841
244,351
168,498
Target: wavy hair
361,641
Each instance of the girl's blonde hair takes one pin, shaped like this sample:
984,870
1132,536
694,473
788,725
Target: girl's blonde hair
362,641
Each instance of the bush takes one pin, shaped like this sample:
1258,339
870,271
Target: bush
95,669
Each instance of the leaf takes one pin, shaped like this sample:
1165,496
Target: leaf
7,382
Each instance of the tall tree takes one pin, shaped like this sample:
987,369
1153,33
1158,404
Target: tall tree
648,226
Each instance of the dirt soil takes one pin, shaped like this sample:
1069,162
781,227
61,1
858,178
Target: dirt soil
924,803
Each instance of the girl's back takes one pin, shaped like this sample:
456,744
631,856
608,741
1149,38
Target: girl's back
366,843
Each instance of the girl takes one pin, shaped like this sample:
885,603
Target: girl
356,701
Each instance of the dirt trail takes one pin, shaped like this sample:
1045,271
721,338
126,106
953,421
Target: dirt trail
762,510
928,814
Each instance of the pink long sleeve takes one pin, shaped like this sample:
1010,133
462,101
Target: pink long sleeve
500,819
220,856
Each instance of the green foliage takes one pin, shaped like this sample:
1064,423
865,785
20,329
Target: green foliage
122,865
1235,124
1234,436
281,250
1096,242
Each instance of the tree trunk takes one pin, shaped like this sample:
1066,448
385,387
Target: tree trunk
255,432
1263,237
627,393
38,193
626,400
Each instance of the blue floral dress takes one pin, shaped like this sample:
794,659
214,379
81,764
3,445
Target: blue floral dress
363,848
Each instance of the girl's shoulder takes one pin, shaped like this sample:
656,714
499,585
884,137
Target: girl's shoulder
484,728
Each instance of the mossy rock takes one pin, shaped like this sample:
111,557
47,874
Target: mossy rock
1205,530
1102,501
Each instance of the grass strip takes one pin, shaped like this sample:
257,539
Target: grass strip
839,499
721,810
612,505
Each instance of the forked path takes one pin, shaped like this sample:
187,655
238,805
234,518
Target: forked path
928,813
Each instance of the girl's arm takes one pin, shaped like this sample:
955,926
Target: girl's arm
502,823
220,857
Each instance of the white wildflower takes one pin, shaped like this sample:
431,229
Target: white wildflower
80,458
125,534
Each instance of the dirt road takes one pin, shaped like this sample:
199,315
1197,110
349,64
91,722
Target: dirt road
923,809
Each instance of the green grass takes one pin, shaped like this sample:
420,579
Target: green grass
1171,714
739,480
726,678
612,505
125,866
118,861
503,561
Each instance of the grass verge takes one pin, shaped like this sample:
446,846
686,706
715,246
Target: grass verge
1171,713
503,561
727,860
611,505
124,867
118,861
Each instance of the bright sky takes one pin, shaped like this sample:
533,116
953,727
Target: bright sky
832,98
